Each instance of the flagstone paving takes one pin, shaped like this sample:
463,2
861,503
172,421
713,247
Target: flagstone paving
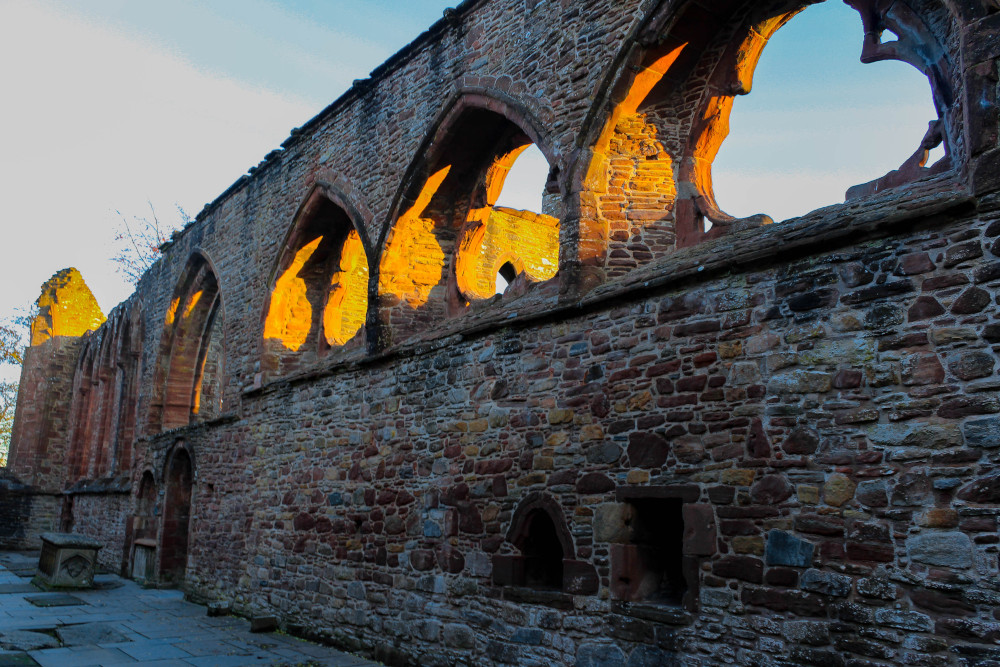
122,623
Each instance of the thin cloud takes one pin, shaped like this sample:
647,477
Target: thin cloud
96,120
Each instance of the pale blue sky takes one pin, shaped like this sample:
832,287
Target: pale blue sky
309,49
113,102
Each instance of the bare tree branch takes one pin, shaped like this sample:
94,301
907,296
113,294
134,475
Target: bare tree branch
139,240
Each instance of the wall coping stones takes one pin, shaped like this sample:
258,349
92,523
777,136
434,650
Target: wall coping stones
823,230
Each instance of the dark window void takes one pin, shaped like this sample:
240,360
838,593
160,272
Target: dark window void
543,554
655,568
818,121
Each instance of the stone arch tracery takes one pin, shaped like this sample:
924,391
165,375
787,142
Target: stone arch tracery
82,413
448,239
129,368
319,288
189,374
647,188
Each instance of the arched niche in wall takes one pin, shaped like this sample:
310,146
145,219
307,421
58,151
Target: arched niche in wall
450,239
544,556
106,397
189,375
129,336
178,480
85,397
318,298
140,542
648,186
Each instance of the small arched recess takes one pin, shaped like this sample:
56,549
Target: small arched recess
542,554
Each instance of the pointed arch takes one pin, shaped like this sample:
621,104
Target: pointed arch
546,554
129,336
439,253
189,374
319,286
664,108
81,413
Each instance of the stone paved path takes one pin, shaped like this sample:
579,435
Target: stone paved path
124,623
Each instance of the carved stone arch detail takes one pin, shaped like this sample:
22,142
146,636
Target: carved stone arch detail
81,412
683,50
189,377
446,194
463,99
325,259
129,332
537,529
145,504
178,447
340,191
337,190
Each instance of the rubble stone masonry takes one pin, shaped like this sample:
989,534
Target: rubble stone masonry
704,441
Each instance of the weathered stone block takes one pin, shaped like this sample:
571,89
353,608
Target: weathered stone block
699,530
983,432
786,549
827,583
612,522
600,655
771,490
838,490
942,549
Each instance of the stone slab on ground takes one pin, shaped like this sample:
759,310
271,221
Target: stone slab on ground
15,558
25,640
64,657
90,633
212,647
54,600
11,589
144,651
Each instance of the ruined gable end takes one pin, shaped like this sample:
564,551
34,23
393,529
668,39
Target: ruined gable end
66,307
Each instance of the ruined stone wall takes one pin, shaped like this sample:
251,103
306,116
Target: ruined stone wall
40,442
756,446
104,516
25,513
830,417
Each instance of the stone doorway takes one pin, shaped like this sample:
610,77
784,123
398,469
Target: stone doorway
176,518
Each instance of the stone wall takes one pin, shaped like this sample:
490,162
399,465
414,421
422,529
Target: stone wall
829,421
734,443
25,513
